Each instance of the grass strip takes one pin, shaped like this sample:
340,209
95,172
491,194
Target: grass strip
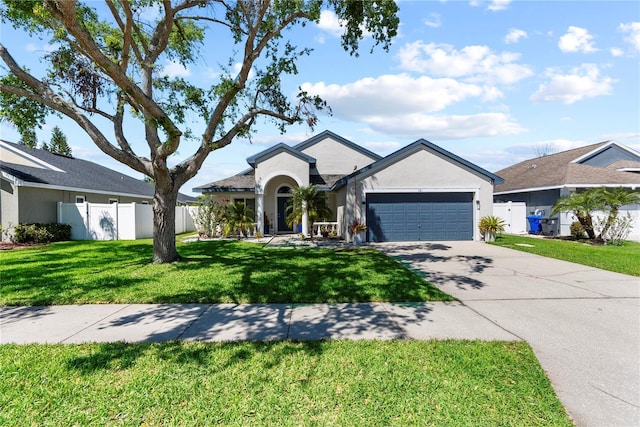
224,271
623,259
281,384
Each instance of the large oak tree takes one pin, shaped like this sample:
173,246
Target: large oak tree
107,65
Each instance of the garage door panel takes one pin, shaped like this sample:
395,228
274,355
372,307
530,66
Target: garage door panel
420,216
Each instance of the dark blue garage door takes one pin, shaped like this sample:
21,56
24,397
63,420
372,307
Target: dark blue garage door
419,216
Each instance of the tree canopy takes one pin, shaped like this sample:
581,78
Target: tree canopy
105,70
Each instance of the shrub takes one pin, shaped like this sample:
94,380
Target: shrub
41,233
577,230
209,217
617,230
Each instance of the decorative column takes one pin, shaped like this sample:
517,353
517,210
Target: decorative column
305,219
259,210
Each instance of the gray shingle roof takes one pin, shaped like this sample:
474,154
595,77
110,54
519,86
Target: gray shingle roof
556,170
78,174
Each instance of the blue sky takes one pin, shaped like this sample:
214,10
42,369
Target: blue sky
495,82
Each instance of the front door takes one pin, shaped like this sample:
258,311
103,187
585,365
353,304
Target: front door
282,215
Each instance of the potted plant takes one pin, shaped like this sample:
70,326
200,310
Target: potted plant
489,226
356,229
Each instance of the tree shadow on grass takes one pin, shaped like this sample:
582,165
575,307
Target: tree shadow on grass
121,356
210,272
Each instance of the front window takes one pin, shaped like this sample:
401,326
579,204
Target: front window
80,199
248,203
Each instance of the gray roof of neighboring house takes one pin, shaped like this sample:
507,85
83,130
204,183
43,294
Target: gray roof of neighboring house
404,151
78,174
560,169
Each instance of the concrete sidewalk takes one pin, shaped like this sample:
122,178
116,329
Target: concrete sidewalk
230,322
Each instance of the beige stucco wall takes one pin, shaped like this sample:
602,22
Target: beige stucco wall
282,164
333,157
425,171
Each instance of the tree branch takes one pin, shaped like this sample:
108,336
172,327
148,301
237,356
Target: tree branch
65,11
43,94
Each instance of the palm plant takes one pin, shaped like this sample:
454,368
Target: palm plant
490,225
310,198
238,219
582,205
613,199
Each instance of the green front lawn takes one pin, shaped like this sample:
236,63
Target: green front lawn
224,271
622,259
373,383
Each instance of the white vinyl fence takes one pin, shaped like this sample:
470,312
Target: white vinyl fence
117,221
514,215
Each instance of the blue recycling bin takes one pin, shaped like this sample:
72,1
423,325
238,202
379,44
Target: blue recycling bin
535,227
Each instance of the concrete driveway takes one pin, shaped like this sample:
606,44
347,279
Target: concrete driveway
583,323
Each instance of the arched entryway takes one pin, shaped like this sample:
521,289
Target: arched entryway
282,199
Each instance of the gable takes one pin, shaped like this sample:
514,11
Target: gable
609,155
423,167
283,163
276,150
334,157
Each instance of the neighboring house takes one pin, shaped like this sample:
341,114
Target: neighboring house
420,192
34,182
541,181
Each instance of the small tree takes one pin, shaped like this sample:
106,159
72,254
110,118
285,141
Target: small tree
238,220
209,216
58,143
29,139
310,199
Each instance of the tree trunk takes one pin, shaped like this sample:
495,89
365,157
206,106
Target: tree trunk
164,225
587,224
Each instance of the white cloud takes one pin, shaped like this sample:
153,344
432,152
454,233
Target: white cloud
394,95
405,105
476,63
515,35
448,126
330,23
577,40
497,5
433,21
583,82
632,30
494,5
616,51
175,69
